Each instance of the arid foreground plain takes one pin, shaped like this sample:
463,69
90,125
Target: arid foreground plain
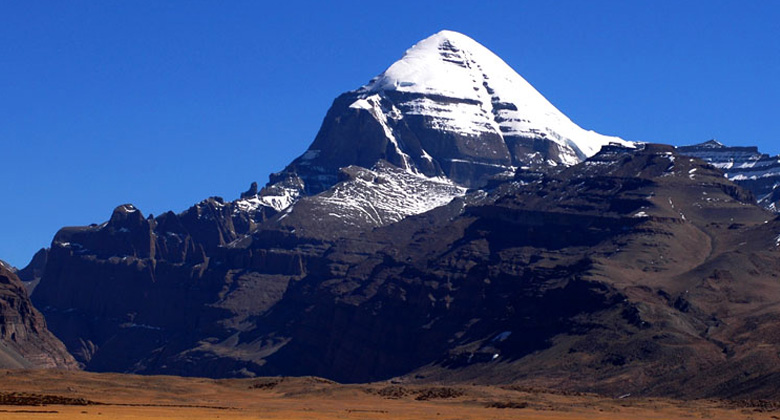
79,395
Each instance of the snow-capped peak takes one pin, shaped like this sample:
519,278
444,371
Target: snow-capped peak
448,109
712,144
452,65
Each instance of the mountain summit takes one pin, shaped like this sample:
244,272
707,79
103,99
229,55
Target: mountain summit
448,108
495,99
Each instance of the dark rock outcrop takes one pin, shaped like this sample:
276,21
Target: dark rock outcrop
32,273
751,169
25,342
136,284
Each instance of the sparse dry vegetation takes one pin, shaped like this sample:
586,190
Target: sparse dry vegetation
79,395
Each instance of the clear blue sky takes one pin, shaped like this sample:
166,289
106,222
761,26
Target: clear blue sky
162,104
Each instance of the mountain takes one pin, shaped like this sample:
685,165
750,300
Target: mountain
25,342
404,144
757,172
638,271
446,224
32,273
448,108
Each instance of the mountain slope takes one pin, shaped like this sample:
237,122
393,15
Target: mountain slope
492,97
25,342
636,271
449,107
757,172
31,274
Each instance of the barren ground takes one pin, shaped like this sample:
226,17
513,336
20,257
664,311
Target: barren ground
79,395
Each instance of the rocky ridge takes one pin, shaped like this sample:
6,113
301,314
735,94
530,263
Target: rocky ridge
25,342
756,171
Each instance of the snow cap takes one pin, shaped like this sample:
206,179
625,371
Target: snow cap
452,65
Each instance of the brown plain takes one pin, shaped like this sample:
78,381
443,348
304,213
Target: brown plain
118,396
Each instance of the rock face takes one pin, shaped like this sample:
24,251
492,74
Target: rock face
449,107
755,171
444,225
25,342
138,278
31,275
637,271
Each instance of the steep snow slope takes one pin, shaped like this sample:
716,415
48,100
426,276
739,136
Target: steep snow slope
491,96
448,109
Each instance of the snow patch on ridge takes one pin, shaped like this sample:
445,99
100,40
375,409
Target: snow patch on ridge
281,199
384,195
756,171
